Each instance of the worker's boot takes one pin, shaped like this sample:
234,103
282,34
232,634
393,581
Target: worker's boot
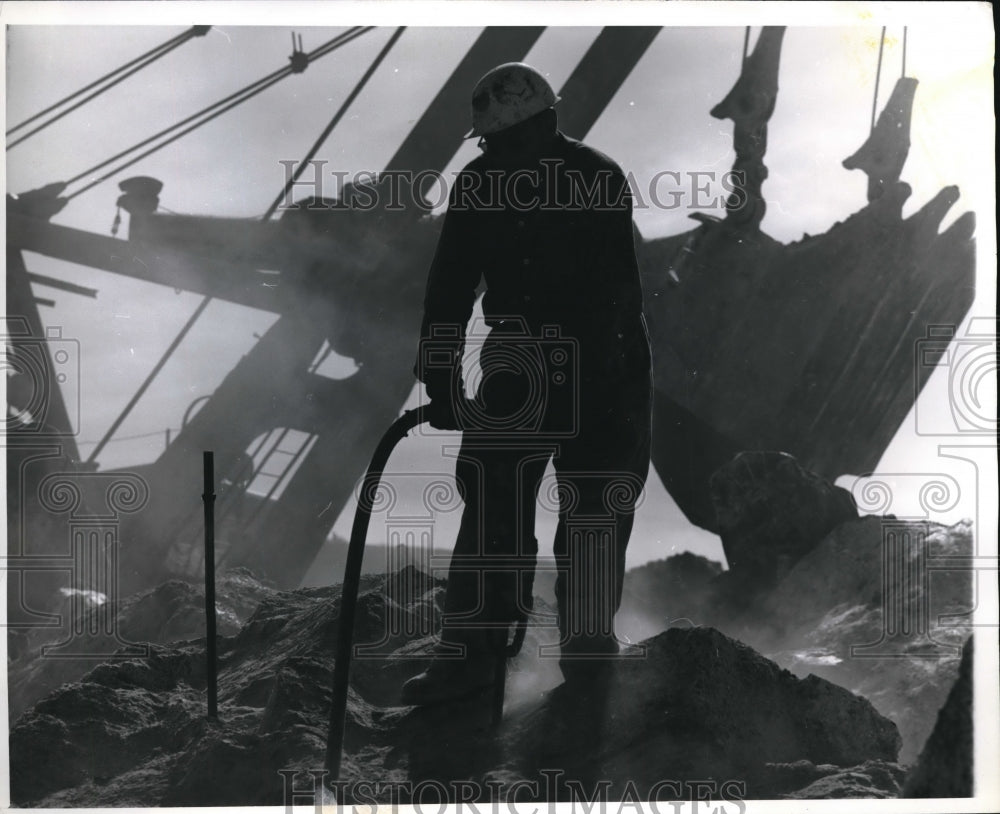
484,601
450,679
465,670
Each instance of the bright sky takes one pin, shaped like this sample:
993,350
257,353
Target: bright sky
657,121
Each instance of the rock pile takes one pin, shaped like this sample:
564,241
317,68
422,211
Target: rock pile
691,704
173,611
796,688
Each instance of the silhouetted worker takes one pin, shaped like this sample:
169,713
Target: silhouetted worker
566,376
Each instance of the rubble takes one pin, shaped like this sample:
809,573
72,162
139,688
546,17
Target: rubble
694,703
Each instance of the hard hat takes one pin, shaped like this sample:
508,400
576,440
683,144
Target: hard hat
507,95
140,195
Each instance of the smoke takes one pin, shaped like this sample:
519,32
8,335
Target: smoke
674,592
534,673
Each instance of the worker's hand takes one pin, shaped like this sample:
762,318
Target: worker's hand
442,414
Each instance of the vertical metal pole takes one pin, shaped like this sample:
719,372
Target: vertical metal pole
210,656
878,74
903,72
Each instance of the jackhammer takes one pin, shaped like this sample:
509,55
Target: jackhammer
399,429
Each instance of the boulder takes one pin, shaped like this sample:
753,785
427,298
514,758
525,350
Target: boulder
827,616
702,704
770,512
945,766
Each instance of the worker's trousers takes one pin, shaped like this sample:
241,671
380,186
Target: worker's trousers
599,446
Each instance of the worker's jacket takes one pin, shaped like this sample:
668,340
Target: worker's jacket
558,254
